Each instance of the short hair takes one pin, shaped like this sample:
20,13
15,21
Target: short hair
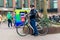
25,12
32,6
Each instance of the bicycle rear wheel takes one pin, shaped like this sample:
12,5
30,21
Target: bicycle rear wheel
22,31
43,30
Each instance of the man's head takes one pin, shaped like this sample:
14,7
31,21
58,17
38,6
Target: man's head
9,12
25,12
32,6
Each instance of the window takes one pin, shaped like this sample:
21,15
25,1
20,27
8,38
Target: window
55,4
32,2
9,3
1,3
26,3
18,3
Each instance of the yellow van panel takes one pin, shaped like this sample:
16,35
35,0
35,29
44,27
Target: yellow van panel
21,10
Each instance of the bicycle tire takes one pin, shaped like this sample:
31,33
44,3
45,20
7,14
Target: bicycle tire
23,29
20,31
43,31
42,27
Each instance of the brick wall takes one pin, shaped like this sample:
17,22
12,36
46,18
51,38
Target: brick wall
59,6
48,4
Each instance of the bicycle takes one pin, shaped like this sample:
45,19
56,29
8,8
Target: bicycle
40,23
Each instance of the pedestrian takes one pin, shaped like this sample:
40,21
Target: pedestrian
14,18
33,13
9,17
0,19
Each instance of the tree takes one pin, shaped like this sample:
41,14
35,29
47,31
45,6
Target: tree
41,4
44,8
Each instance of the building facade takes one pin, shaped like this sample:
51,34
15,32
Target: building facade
59,6
10,5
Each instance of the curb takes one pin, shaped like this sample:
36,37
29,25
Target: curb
53,30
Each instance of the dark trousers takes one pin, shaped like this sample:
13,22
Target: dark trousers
33,24
9,23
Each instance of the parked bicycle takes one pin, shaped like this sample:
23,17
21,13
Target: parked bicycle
41,23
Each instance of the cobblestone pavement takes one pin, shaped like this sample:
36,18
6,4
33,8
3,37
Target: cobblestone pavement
10,34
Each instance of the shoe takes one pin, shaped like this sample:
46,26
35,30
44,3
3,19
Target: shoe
34,34
9,26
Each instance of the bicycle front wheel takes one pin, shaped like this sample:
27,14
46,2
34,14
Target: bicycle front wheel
22,31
